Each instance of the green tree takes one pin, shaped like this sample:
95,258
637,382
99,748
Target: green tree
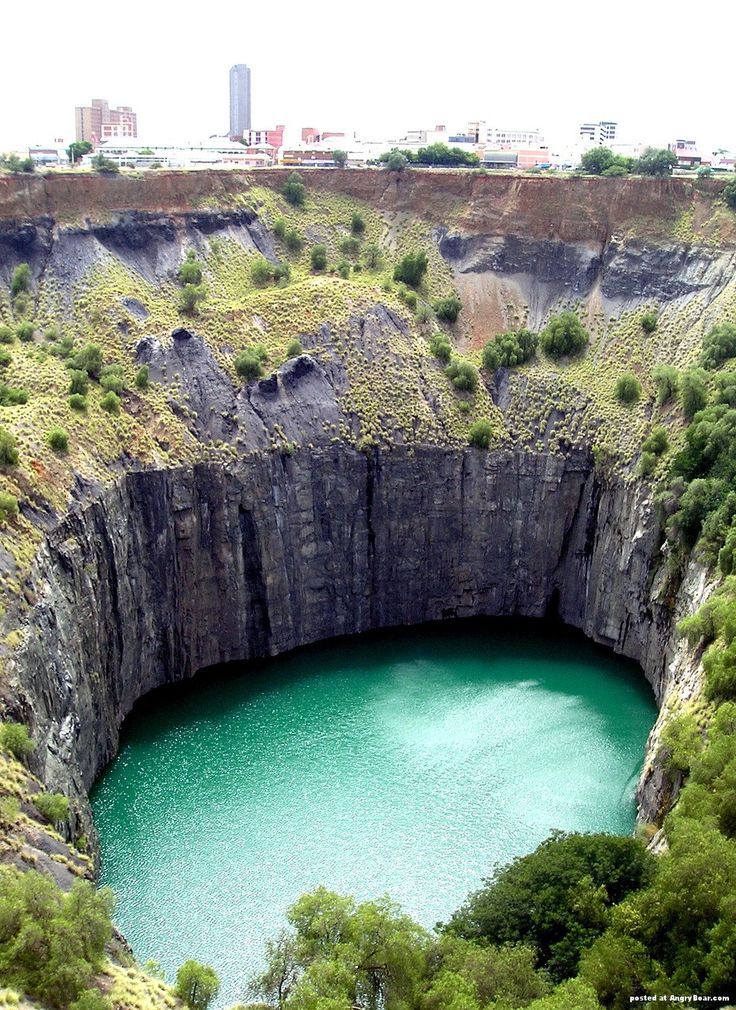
340,158
78,402
318,258
396,161
190,272
294,191
628,388
261,272
597,160
21,279
110,403
510,349
293,240
440,346
656,441
729,194
248,364
89,360
8,449
448,308
563,335
77,149
191,297
142,377
411,268
53,806
112,378
649,321
357,223
667,380
79,381
372,256
693,391
462,374
557,898
58,440
14,737
718,345
8,506
104,165
25,331
480,434
294,348
7,335
656,161
197,985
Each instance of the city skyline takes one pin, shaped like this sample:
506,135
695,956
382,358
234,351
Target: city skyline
582,67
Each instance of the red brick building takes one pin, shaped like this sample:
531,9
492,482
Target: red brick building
98,121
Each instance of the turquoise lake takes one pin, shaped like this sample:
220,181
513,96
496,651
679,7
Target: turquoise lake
407,762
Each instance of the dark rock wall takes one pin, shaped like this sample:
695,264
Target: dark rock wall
171,571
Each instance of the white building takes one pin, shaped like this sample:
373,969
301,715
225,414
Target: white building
213,153
508,138
602,133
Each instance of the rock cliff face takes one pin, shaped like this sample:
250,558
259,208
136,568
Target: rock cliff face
171,571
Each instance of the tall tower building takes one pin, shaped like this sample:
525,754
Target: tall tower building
239,100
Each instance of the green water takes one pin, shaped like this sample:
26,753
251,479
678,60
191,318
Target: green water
406,763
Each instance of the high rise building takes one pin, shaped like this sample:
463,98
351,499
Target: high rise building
98,121
600,133
239,100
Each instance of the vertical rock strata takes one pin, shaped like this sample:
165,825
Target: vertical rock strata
170,571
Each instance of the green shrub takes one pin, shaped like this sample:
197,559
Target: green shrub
10,397
196,985
111,378
440,346
293,240
25,331
656,441
294,190
628,388
667,380
318,258
51,333
409,298
556,898
729,194
423,313
693,391
53,806
52,943
563,335
726,388
7,336
190,272
411,268
21,279
78,382
480,434
350,246
372,256
343,269
357,223
5,358
110,402
8,450
282,274
448,308
8,506
261,272
141,377
89,360
92,999
279,228
463,375
294,348
77,401
718,345
248,364
647,463
58,440
510,349
191,297
649,321
14,737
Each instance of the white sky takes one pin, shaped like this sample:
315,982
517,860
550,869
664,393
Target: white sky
660,69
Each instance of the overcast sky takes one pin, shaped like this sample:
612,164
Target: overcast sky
381,67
